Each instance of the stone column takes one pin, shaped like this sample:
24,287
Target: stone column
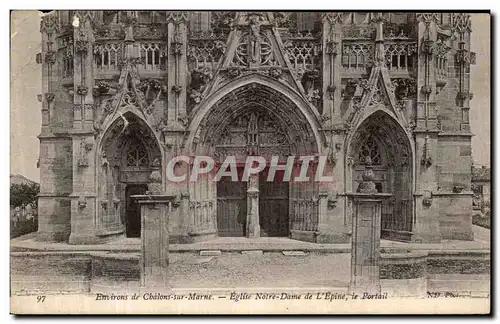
155,214
365,252
253,221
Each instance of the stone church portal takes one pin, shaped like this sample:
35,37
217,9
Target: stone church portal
126,91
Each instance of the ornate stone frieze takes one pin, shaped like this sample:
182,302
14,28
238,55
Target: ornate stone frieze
398,31
49,23
333,17
428,16
461,22
177,16
358,32
109,32
81,46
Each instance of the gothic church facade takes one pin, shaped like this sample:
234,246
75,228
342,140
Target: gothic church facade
125,91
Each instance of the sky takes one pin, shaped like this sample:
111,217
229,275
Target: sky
25,117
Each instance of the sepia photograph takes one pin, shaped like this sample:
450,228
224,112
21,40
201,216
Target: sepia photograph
250,162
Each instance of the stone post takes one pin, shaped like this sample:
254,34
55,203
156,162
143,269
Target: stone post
365,252
155,213
253,221
156,209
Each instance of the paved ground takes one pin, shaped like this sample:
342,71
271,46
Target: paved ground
267,270
27,242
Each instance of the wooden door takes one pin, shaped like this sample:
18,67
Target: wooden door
231,207
133,210
273,205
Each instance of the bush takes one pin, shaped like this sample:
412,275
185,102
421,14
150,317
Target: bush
23,194
481,220
20,196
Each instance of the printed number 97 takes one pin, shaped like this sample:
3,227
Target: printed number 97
40,299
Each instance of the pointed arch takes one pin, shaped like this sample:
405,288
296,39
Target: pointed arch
290,98
394,168
127,133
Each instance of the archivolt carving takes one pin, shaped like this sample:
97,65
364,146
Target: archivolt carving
278,122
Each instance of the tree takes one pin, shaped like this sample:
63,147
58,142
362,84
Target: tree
22,194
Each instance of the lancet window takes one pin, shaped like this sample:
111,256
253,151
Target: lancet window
107,56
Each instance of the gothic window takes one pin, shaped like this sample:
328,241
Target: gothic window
137,156
357,55
399,56
107,56
370,149
441,64
153,56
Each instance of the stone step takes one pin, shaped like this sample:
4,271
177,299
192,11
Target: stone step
252,252
294,253
210,252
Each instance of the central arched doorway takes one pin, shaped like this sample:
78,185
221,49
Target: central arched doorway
381,139
128,151
254,120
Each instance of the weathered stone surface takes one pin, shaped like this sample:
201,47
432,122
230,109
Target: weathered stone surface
406,122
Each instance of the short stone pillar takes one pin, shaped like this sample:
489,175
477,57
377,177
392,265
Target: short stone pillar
365,241
253,218
155,214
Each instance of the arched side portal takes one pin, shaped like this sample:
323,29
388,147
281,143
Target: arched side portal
381,139
126,154
254,120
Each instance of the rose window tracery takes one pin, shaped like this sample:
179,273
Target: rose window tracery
137,155
370,149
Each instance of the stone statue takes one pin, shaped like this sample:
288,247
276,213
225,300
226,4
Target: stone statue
154,185
367,185
255,37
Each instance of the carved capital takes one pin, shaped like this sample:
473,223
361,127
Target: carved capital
49,96
426,89
428,47
82,90
177,88
462,95
50,57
